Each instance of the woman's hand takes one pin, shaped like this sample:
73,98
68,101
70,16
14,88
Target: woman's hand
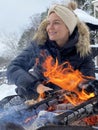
41,88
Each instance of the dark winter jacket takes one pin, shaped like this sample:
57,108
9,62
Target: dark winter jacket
76,51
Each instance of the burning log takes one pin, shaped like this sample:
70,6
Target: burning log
85,109
79,90
51,98
67,118
49,118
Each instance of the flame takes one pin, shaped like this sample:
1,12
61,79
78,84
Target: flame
67,78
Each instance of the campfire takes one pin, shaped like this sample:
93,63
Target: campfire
71,81
68,79
76,94
77,97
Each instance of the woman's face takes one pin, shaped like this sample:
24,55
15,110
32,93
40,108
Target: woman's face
57,30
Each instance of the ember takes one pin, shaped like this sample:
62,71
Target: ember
91,120
68,79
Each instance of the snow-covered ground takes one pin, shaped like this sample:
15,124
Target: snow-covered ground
7,90
97,76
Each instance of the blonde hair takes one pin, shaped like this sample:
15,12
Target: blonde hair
41,34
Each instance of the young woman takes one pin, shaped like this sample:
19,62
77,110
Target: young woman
62,36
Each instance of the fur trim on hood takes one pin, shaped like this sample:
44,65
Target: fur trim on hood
83,45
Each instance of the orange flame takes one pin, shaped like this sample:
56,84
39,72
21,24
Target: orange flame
67,78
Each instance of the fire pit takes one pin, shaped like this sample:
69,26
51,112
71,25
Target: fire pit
73,106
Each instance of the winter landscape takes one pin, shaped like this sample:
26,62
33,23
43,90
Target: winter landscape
8,49
12,42
13,25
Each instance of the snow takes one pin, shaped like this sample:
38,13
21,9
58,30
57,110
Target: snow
4,49
94,1
7,90
96,45
85,17
96,75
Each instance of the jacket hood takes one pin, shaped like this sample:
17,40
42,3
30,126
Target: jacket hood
83,44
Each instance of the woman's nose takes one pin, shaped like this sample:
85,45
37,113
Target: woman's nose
51,26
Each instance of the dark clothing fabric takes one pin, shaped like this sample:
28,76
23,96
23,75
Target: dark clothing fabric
95,51
19,74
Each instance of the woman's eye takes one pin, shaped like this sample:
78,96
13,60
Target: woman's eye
48,23
53,23
56,22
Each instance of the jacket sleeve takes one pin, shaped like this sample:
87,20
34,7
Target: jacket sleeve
18,72
88,66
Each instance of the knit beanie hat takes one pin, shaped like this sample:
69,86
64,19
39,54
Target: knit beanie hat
66,14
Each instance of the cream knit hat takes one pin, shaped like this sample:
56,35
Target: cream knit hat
66,14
